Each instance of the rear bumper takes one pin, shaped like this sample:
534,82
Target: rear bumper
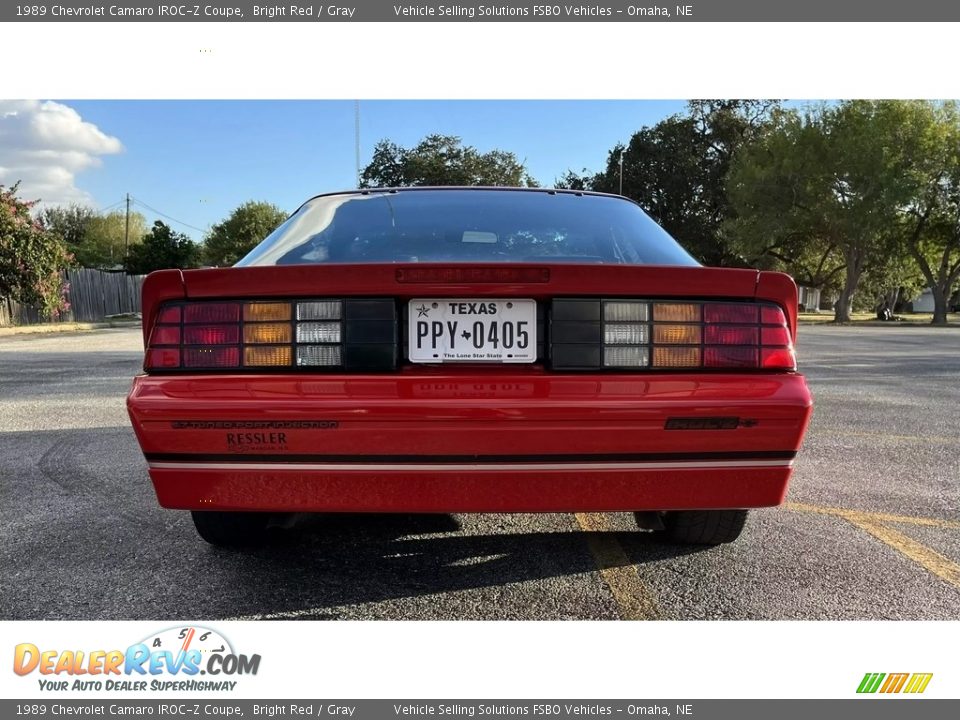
493,442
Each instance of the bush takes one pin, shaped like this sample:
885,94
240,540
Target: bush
31,258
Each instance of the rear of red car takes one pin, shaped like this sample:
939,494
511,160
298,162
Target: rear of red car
313,380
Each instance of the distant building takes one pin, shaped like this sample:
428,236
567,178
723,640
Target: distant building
808,299
924,302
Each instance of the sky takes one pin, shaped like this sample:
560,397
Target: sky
190,163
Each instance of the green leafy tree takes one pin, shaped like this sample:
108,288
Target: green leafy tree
831,183
106,241
440,160
929,223
571,180
70,223
31,258
230,240
162,248
677,171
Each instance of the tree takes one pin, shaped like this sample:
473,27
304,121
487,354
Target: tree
162,248
440,160
70,223
929,226
571,180
827,183
106,241
677,171
31,258
230,240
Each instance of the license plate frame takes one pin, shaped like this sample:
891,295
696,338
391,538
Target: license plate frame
509,327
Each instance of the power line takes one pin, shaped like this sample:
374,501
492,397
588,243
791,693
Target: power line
110,207
168,217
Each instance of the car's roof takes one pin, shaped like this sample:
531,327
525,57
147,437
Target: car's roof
420,188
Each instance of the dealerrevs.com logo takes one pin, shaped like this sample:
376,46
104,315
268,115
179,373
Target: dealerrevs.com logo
172,659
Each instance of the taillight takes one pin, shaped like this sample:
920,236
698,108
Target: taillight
313,334
642,334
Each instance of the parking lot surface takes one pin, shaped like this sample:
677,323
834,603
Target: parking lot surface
871,529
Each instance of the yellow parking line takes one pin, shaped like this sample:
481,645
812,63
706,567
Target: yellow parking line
875,516
933,439
629,592
874,523
944,568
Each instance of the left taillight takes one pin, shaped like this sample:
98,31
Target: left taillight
272,334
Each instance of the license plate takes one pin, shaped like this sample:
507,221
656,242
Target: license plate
470,330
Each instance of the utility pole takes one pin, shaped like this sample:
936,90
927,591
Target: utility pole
126,233
622,151
356,136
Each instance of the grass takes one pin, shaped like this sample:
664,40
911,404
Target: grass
869,317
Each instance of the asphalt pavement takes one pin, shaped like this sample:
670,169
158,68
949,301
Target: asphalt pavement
871,529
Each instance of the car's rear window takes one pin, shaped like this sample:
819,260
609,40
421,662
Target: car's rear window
468,226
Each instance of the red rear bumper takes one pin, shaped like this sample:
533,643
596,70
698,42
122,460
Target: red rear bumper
493,442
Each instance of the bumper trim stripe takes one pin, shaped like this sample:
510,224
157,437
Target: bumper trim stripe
432,460
468,467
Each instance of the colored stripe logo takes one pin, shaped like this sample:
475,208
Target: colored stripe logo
913,683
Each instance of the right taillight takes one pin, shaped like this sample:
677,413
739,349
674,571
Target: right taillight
315,334
650,334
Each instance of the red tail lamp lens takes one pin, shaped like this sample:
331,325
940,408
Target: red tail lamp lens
163,358
775,336
730,357
729,313
770,315
212,313
778,358
169,315
730,335
165,335
211,357
212,335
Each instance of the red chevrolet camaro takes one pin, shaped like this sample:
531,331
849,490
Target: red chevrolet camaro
470,350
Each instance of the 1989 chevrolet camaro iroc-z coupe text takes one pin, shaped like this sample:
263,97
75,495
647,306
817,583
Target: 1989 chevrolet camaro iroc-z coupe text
460,350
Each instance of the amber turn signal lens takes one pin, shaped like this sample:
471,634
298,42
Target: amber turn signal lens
259,311
267,333
676,334
676,312
266,356
676,357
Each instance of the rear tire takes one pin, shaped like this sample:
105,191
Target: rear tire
704,527
230,529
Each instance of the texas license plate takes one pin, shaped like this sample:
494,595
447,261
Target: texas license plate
464,330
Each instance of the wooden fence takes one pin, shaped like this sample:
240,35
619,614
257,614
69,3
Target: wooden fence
93,295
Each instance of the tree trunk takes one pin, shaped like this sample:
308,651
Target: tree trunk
845,302
939,305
